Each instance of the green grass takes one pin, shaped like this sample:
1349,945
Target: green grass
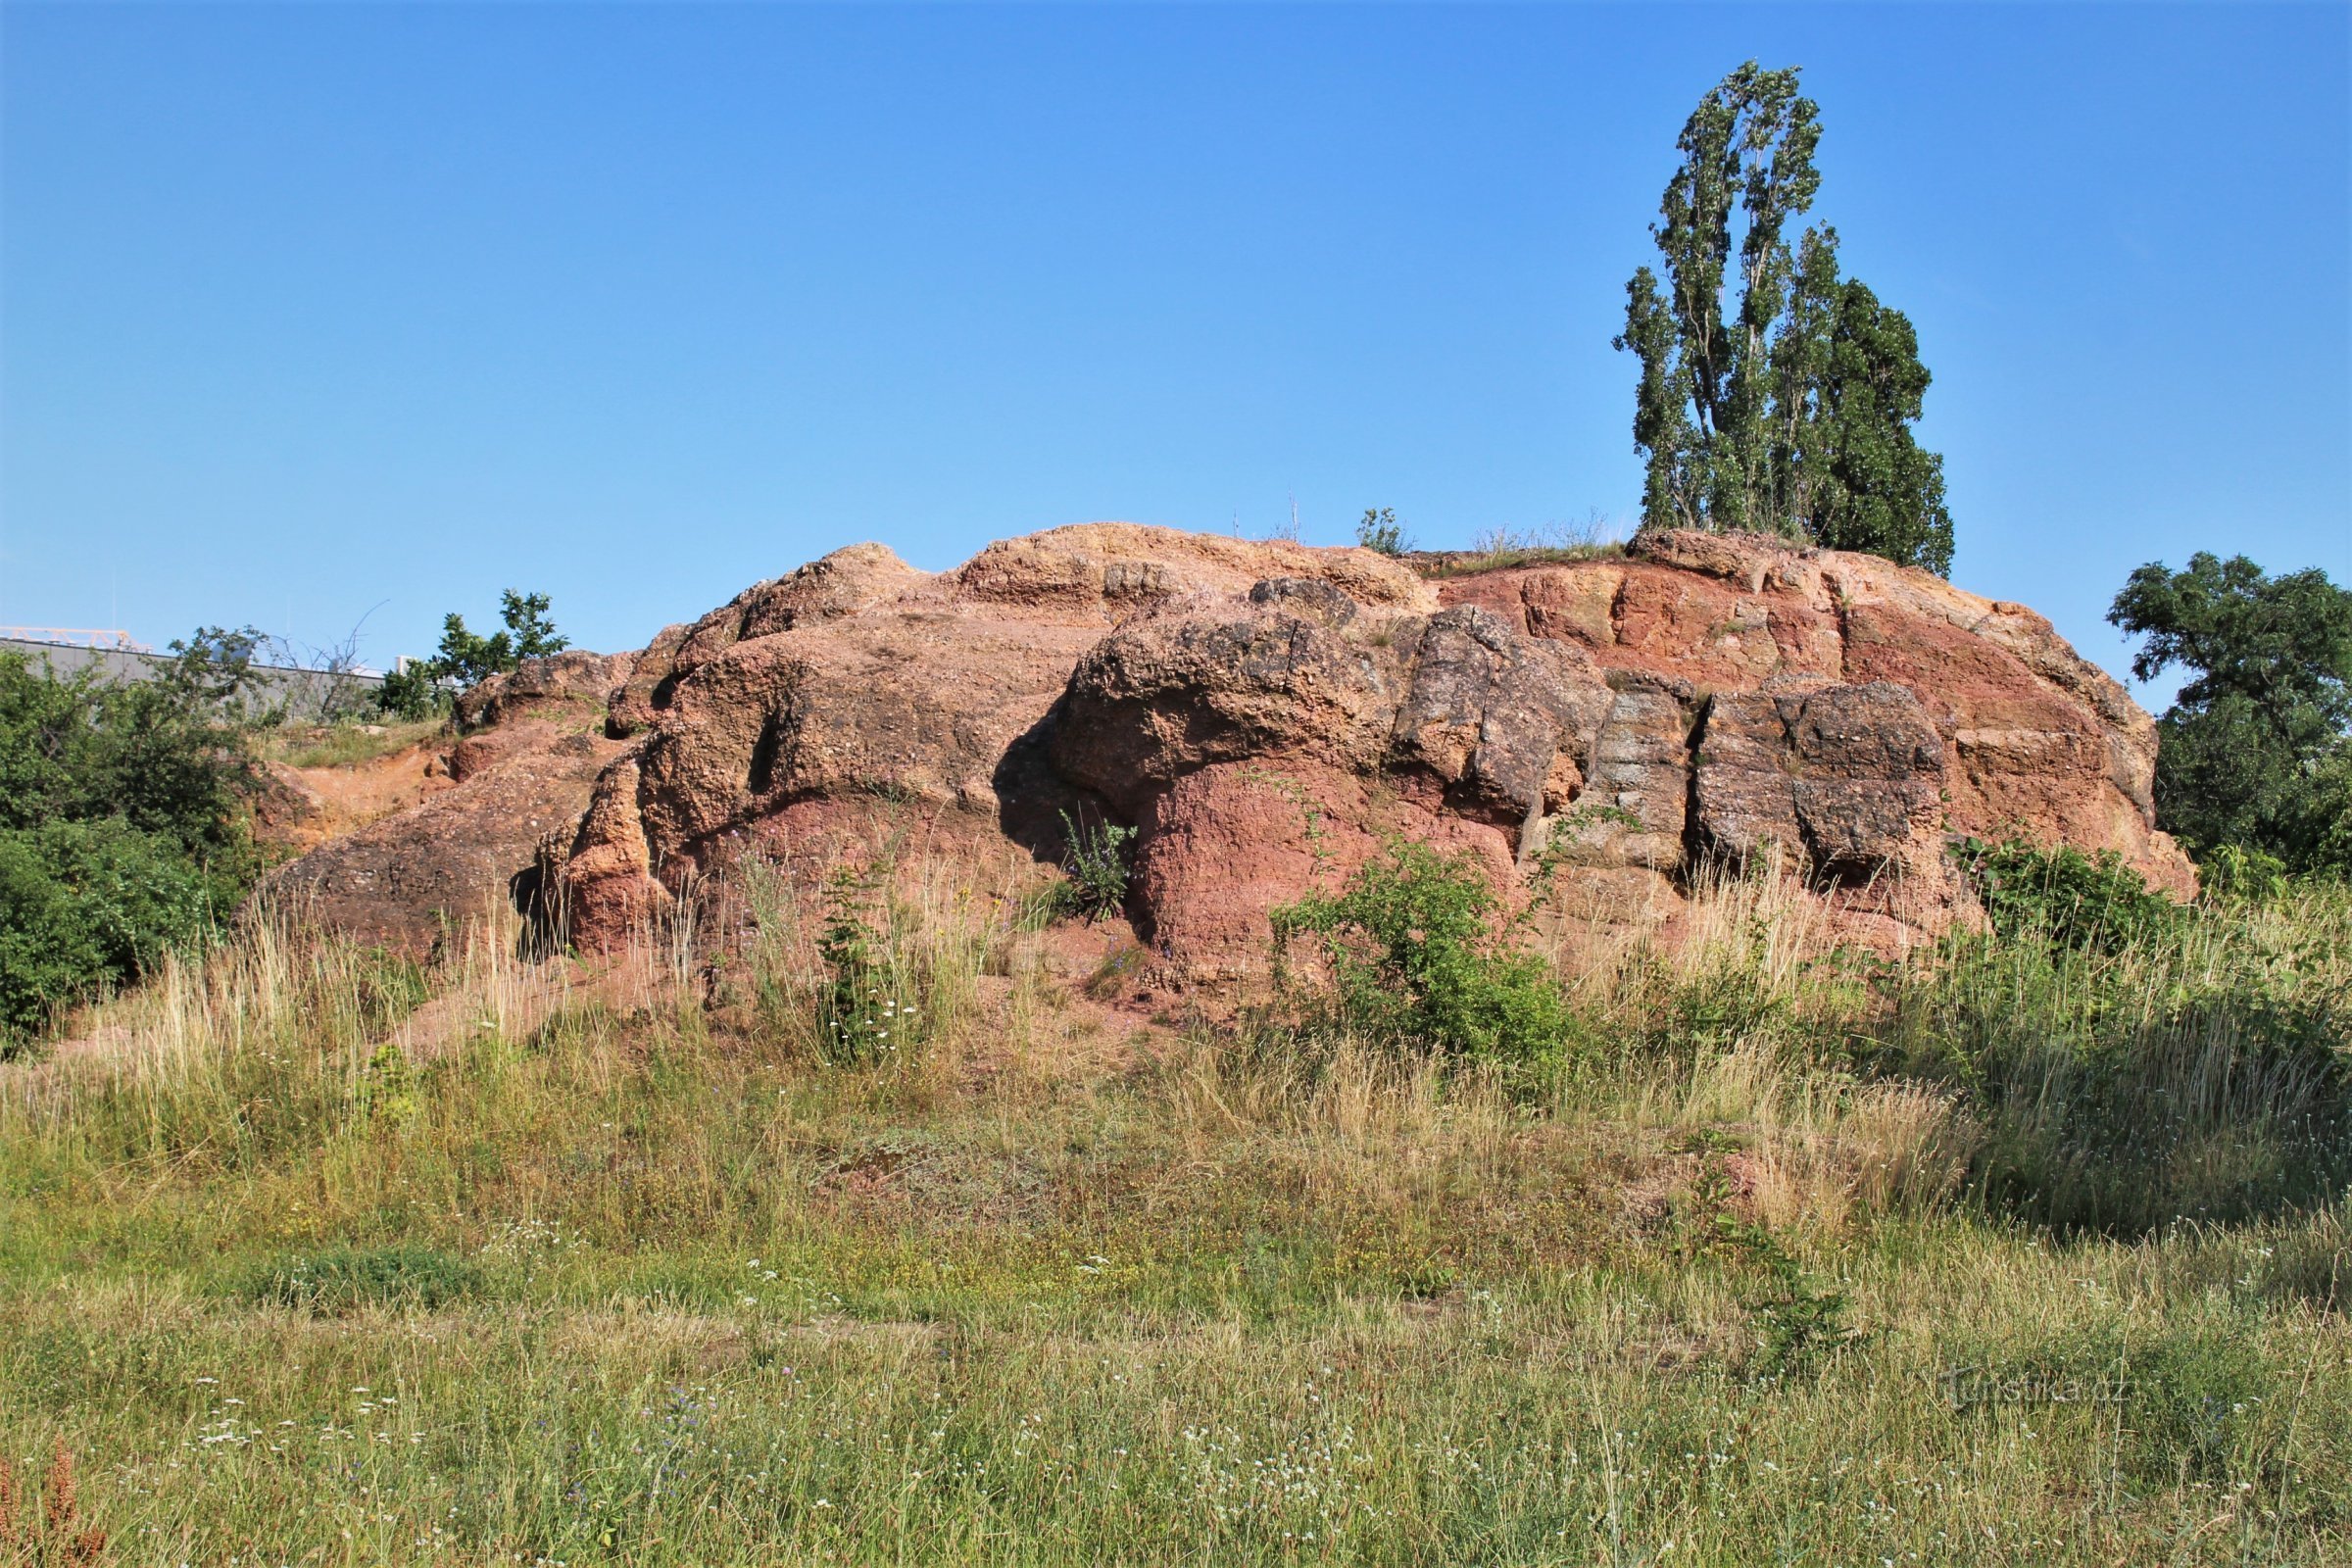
618,1270
347,745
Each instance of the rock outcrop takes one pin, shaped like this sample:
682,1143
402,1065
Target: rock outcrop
2035,738
520,776
1265,715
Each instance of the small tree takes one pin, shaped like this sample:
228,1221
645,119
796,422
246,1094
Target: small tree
2256,752
1788,406
465,659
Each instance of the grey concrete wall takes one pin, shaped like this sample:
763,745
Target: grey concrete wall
303,692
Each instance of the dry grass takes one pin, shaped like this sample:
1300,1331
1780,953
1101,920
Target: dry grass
624,1270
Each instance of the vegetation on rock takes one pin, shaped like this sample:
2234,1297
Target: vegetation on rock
1785,407
465,659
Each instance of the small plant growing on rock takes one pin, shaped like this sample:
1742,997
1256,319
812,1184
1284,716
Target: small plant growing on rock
1380,530
1096,856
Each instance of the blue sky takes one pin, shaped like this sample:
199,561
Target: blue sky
312,313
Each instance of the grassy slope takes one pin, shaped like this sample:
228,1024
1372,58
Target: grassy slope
617,1276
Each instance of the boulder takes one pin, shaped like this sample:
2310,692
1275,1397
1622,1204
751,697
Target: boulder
569,678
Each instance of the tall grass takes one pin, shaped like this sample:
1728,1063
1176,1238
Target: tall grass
2195,1073
308,1255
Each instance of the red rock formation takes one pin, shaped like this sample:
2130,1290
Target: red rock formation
2037,741
1265,713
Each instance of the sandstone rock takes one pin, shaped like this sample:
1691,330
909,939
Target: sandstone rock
1632,813
861,680
573,676
1265,715
1253,746
850,580
401,881
2037,741
1839,783
1102,570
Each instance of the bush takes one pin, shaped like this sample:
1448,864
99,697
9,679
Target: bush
1380,530
413,692
2232,872
1417,959
2066,897
85,906
122,820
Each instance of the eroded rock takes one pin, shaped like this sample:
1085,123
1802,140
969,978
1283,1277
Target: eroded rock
1265,715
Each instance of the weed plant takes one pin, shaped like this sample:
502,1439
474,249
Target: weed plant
1094,858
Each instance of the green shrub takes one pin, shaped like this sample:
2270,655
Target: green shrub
2070,899
2201,1075
866,1015
1380,530
123,821
413,692
2232,871
1417,958
1096,859
336,1281
86,906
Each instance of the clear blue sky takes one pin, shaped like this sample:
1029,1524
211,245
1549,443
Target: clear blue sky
309,308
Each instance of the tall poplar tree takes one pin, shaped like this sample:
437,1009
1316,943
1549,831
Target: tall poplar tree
1775,395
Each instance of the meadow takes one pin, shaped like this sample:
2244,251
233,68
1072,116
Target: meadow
2013,1251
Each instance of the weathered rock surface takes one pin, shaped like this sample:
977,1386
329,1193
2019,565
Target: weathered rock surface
859,679
568,679
1265,713
402,880
2036,740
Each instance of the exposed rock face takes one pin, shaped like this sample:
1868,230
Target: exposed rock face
859,679
1258,749
402,880
841,584
521,770
1266,713
2035,738
570,677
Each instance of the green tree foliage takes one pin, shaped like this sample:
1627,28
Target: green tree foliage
123,821
2256,752
1785,407
467,659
